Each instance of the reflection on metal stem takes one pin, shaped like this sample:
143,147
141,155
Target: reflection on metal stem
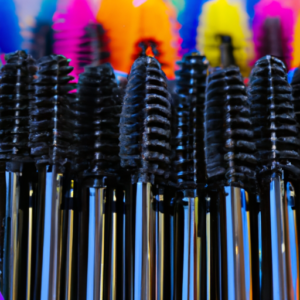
29,245
277,240
12,250
113,249
144,264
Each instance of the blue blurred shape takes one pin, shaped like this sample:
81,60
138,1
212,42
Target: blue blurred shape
9,27
189,20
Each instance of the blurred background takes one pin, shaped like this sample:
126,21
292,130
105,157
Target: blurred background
96,31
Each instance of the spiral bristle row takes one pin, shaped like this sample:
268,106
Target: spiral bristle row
16,91
82,107
273,117
213,126
239,145
106,116
145,127
191,83
50,127
229,149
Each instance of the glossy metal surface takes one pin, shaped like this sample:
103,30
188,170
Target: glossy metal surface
29,249
144,260
160,259
279,275
11,255
70,239
208,249
95,279
124,264
113,250
186,247
52,253
292,244
238,245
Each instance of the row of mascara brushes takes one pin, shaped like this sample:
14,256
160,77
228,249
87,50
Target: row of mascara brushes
148,194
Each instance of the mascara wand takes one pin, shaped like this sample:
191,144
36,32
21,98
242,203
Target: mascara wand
230,170
16,90
98,92
49,139
191,82
276,138
144,149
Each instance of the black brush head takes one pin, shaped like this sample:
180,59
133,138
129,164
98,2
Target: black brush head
296,93
190,85
16,92
229,145
273,117
145,128
99,84
50,126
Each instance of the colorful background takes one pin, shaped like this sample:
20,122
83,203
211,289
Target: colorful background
175,26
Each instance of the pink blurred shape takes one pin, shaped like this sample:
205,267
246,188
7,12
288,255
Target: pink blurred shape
137,3
70,21
274,8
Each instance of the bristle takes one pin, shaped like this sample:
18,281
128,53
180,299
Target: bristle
296,94
229,149
50,128
239,144
184,159
145,121
107,109
213,127
16,91
82,107
273,117
191,82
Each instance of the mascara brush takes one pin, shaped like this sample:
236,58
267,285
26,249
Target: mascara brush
98,91
276,137
191,82
144,150
230,170
49,139
16,79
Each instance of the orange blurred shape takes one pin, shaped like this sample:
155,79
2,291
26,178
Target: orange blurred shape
126,24
149,52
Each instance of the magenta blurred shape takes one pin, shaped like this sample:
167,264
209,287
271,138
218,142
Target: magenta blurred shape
70,21
266,9
1,297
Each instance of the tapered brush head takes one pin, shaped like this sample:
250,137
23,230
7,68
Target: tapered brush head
273,117
229,148
16,92
50,126
100,86
190,85
145,128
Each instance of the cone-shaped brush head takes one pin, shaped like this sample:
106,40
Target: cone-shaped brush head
191,83
50,128
16,91
229,149
107,109
145,127
273,117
